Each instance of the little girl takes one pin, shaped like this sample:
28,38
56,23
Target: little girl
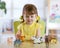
29,29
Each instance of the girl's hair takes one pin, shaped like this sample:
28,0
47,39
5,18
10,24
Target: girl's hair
29,9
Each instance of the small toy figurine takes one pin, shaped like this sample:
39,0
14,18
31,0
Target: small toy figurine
10,40
47,41
54,40
17,42
37,40
41,39
22,38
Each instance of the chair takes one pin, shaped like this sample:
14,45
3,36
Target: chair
16,23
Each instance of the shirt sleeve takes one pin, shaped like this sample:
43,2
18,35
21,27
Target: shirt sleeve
19,27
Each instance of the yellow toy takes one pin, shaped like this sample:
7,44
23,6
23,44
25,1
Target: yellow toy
54,41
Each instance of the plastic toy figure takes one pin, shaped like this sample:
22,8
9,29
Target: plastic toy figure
17,42
9,40
47,41
54,40
22,38
37,40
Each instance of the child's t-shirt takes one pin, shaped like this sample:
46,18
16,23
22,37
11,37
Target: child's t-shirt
29,30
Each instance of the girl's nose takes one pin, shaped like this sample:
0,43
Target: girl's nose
30,17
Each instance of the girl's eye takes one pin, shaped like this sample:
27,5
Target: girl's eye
28,16
31,16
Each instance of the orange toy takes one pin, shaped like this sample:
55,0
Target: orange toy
22,38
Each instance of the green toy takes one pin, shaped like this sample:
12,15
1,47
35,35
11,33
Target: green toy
16,23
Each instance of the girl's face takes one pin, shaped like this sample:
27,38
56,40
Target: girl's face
29,19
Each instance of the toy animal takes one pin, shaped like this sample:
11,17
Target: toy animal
17,42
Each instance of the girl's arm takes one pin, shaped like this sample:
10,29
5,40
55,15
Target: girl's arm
18,34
